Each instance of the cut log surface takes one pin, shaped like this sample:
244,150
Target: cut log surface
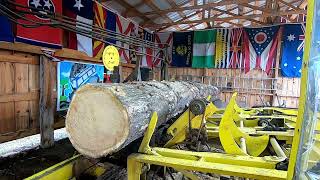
104,118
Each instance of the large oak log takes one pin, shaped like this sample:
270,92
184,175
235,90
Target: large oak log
104,118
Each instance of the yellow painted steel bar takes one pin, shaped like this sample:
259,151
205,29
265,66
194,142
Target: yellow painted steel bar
61,170
267,162
303,91
136,161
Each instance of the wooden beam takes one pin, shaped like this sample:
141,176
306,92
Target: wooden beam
132,9
281,13
46,102
155,8
208,5
181,20
233,14
22,60
29,96
194,25
289,5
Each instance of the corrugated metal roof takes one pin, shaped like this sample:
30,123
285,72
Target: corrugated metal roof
174,16
117,7
133,2
161,4
144,8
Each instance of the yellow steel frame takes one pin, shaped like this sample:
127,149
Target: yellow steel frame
303,90
234,165
61,170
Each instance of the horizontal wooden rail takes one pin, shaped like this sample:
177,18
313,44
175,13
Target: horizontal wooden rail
33,95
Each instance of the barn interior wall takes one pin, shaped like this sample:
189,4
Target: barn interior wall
19,90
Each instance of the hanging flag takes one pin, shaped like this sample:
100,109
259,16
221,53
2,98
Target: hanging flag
43,35
82,11
162,40
111,26
125,27
103,19
147,60
6,33
260,46
203,49
222,48
182,49
236,60
292,50
100,18
133,54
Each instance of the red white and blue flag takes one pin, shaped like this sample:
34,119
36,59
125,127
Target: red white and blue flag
147,60
236,60
126,28
44,35
80,10
260,46
163,39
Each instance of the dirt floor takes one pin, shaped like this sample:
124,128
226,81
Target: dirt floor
33,161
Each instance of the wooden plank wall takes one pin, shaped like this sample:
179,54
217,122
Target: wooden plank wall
288,92
250,86
19,95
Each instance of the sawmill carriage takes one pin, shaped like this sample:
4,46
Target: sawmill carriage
151,119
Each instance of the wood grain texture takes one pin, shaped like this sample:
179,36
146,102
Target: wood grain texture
7,123
103,118
22,114
7,78
46,117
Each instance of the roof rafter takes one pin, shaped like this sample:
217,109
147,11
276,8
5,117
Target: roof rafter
208,5
281,13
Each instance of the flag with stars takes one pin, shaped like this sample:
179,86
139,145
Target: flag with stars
292,50
43,35
260,47
81,11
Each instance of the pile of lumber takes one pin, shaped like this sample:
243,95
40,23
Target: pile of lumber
104,118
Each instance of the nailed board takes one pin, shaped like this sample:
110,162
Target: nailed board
19,94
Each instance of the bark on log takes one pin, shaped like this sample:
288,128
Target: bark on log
104,118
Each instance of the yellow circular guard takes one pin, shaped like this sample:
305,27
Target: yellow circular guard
110,57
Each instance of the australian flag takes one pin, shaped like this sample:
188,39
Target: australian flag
182,49
292,50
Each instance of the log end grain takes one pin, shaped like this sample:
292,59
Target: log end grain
97,122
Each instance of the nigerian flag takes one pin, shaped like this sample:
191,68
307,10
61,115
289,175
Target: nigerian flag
203,49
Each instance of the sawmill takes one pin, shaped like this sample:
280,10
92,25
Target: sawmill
159,89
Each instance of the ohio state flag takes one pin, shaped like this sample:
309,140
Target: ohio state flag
43,35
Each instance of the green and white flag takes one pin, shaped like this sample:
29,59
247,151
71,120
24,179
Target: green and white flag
204,49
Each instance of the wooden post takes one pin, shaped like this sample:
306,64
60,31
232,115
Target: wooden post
46,103
276,72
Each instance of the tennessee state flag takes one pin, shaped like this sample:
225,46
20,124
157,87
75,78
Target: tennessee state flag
82,11
43,35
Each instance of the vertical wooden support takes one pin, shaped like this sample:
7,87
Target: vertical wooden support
46,103
276,71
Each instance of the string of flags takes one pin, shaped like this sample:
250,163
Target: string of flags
245,48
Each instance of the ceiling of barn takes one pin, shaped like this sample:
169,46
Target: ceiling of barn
180,15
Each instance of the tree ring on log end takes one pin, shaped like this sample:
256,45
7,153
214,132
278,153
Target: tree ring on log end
97,122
